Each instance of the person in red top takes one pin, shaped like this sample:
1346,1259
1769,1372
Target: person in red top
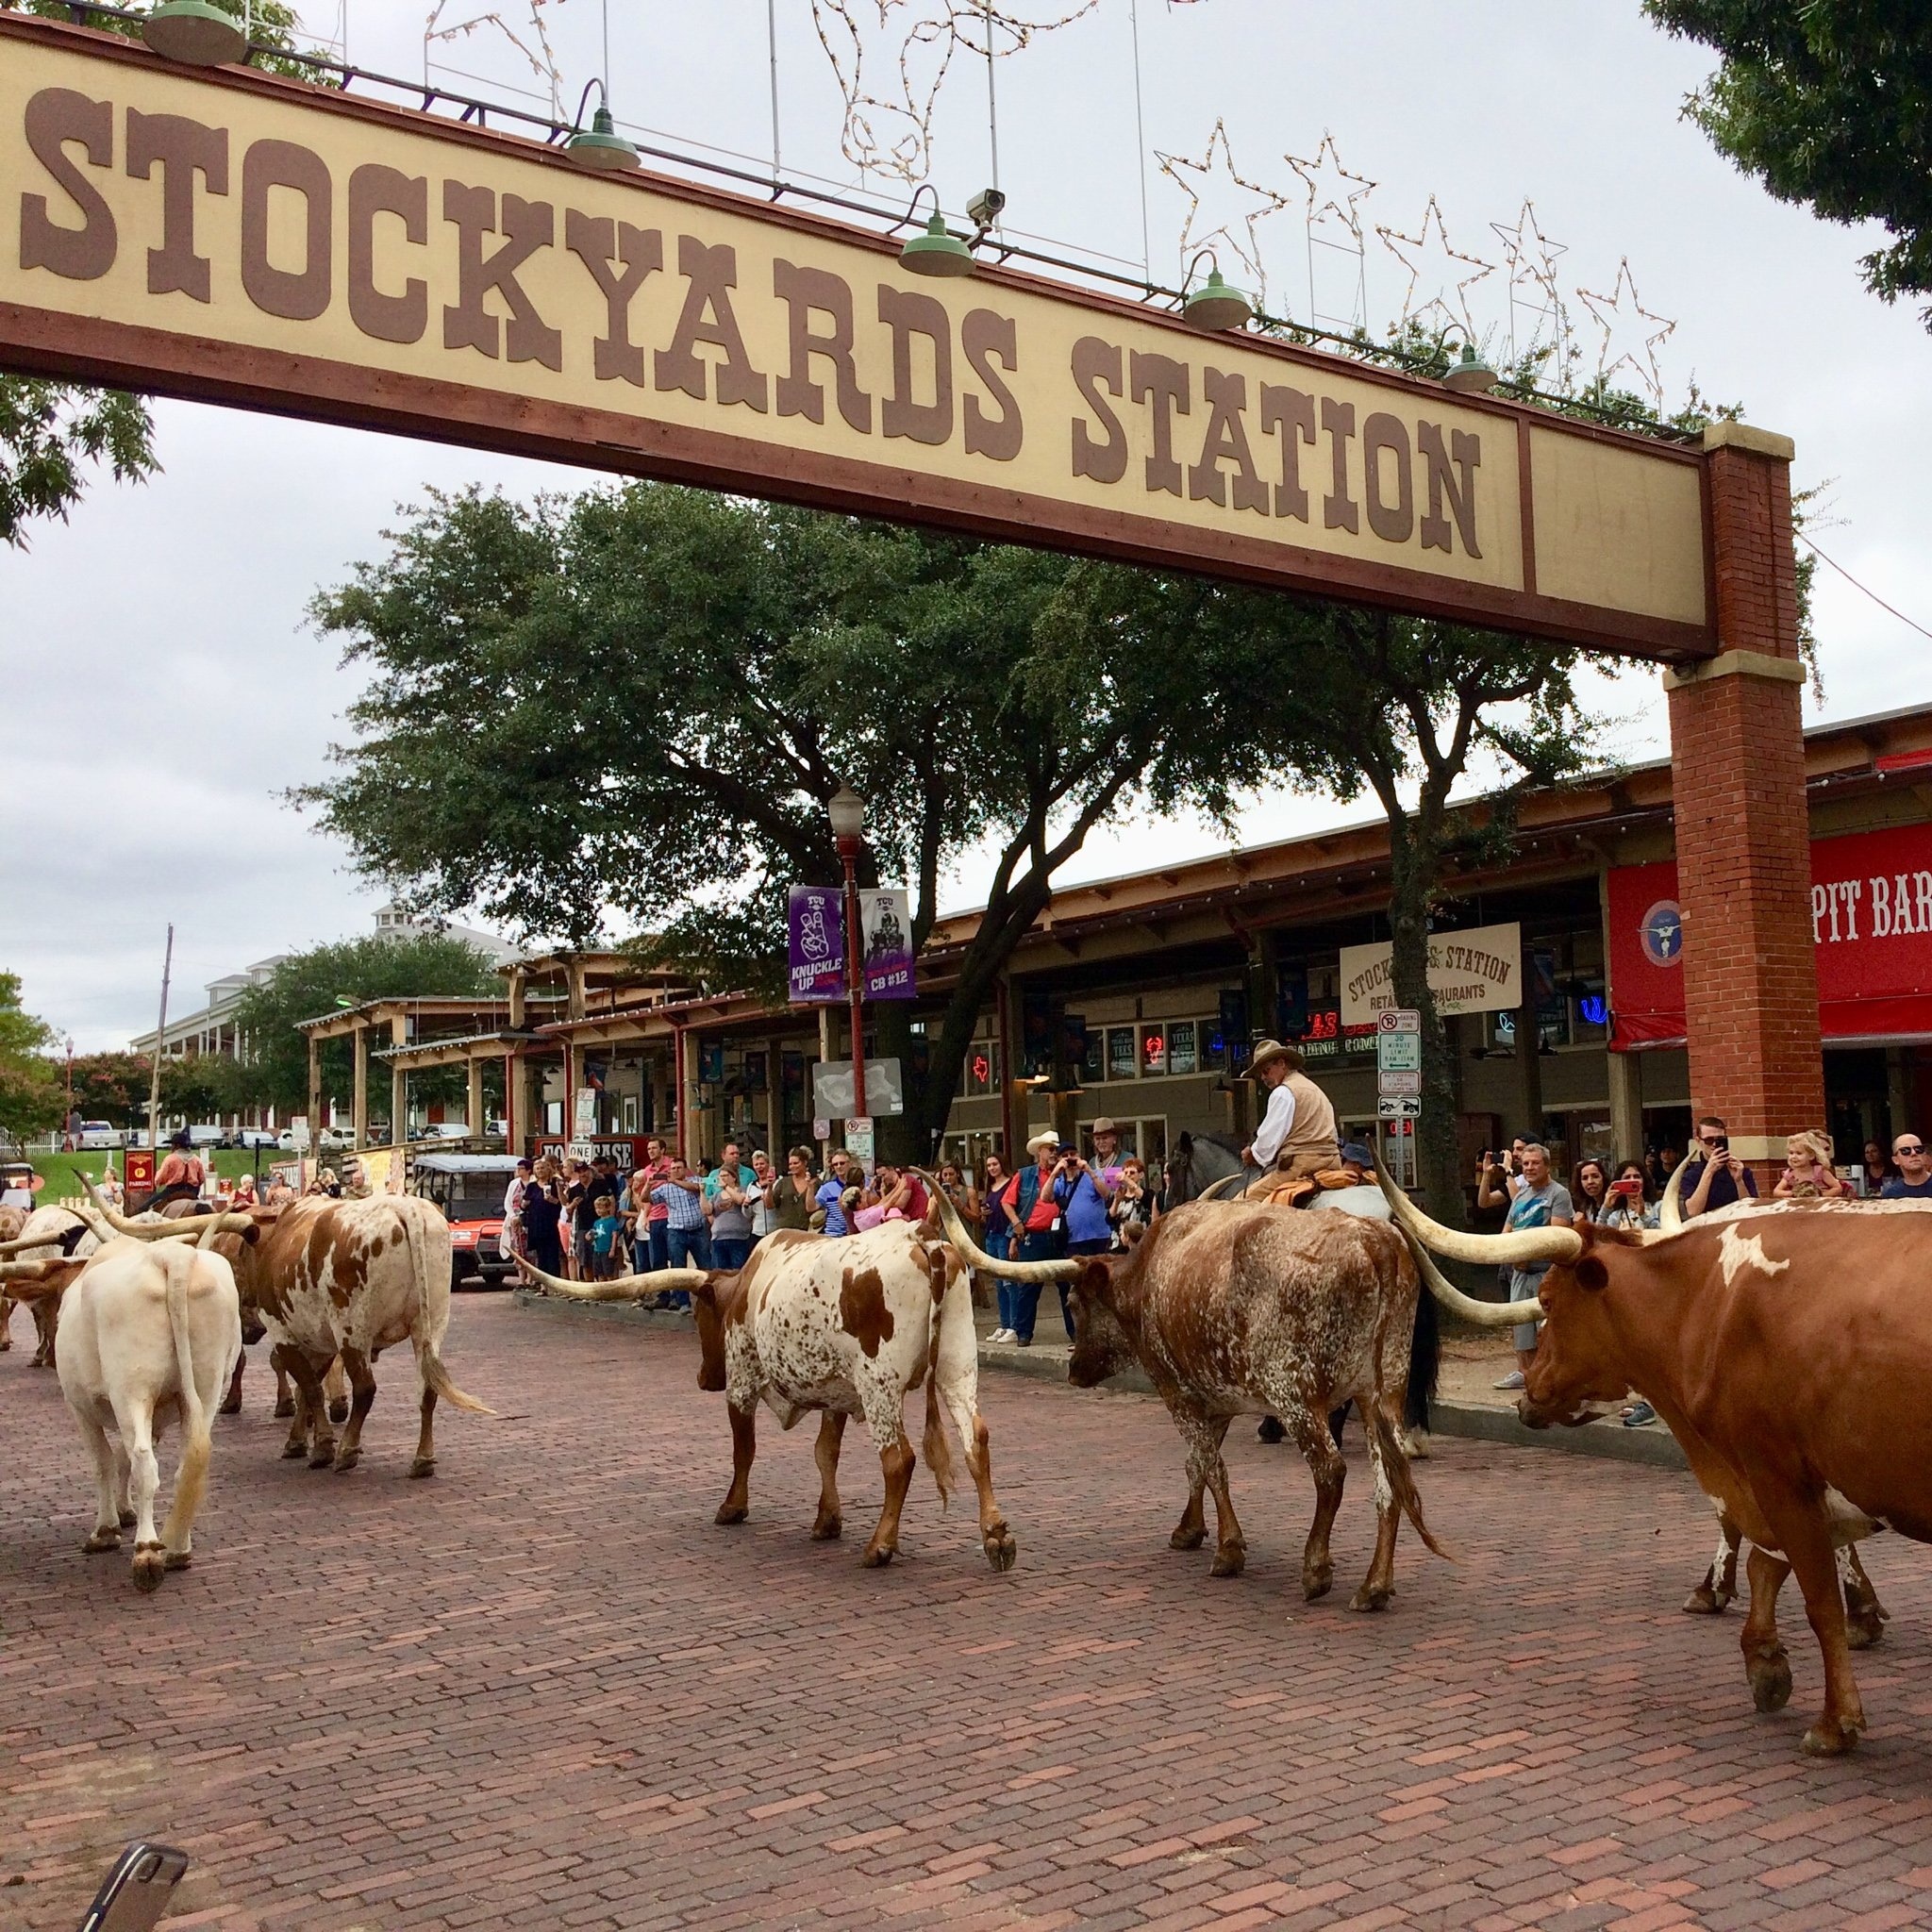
181,1174
654,1217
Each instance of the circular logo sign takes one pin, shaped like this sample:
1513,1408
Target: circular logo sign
1661,934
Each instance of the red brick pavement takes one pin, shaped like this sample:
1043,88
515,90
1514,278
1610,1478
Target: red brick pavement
544,1690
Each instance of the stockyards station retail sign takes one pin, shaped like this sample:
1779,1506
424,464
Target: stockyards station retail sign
239,237
1478,970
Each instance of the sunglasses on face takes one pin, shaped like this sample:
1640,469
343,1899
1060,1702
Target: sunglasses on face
1914,1148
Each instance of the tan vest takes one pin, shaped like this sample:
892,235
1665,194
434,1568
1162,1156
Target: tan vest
1313,1130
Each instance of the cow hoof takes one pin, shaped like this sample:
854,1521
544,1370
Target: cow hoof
128,1519
1317,1583
323,1455
1706,1602
150,1566
1230,1560
1832,1738
732,1512
293,1451
1186,1538
827,1529
1002,1552
285,1408
347,1459
423,1465
1770,1682
876,1555
1367,1599
180,1559
339,1412
232,1404
102,1541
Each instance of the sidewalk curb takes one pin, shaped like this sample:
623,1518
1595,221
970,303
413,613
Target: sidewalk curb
1654,1448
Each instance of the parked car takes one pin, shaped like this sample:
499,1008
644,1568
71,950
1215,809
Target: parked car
469,1188
258,1137
95,1134
207,1137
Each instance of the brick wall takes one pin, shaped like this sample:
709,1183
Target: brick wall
1742,833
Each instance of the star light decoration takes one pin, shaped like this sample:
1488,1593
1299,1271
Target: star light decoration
1215,187
540,56
1334,223
1434,266
1629,341
1539,316
891,134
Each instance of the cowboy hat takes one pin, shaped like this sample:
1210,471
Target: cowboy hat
1267,1050
1104,1125
1045,1137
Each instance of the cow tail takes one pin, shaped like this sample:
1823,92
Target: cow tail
1401,1477
429,1363
197,1444
938,1451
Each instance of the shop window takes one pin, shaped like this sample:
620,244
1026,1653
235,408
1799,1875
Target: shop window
1154,1050
1183,1056
1123,1055
983,1069
1093,1061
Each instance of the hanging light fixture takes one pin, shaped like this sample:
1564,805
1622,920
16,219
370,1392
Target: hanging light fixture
599,149
1469,375
194,33
1216,304
935,251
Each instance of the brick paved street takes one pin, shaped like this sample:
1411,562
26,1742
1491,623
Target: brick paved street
544,1690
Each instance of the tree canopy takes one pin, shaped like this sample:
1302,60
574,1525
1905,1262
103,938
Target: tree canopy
1828,103
274,1072
30,1096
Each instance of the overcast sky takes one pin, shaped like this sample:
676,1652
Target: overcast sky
161,687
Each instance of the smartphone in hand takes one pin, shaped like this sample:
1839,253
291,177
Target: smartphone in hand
135,1894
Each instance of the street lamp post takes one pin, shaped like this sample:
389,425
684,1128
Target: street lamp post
847,811
67,1125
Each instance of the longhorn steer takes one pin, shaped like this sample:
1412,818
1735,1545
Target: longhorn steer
1243,1308
45,1232
151,1332
1788,1347
846,1327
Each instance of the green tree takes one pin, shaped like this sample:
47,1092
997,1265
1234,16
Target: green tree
112,1086
52,432
31,1096
308,985
1828,103
653,692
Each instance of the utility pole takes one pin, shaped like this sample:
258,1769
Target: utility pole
153,1089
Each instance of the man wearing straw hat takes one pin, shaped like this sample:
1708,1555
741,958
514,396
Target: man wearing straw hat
1296,1139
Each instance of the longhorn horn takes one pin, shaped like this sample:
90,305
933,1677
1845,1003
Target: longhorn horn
157,1230
626,1287
33,1270
976,1256
26,1242
1212,1192
1465,1307
1492,1250
1670,1211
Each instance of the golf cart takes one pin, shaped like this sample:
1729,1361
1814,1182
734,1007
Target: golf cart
469,1188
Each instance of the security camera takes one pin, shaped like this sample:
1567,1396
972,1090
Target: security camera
983,210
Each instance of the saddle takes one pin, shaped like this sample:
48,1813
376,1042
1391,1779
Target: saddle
1299,1191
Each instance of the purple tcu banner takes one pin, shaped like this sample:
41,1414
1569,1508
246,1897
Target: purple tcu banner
817,944
885,926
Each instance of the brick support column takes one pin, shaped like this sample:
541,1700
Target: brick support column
1743,831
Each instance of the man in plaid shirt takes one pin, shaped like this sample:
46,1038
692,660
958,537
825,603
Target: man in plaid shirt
687,1238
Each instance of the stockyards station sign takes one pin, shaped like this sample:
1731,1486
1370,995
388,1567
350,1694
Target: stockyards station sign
239,237
1478,970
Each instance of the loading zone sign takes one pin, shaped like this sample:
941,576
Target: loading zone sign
1399,1063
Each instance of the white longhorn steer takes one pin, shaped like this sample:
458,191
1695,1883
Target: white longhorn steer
847,1326
148,1332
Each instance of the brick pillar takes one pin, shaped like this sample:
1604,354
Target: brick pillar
1744,834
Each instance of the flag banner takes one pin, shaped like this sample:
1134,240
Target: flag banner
817,944
885,926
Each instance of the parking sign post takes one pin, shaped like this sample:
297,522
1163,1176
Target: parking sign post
1399,1063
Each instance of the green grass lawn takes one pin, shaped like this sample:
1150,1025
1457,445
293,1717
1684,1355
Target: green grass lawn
60,1169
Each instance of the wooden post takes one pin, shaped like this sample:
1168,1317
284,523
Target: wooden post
473,1118
314,1092
361,1118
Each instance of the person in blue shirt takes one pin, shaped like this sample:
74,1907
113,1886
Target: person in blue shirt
1720,1179
831,1194
603,1233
